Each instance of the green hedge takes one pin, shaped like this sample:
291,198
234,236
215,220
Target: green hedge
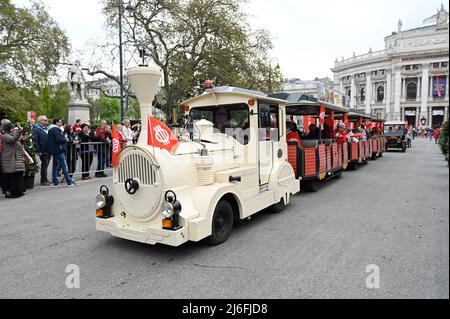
443,140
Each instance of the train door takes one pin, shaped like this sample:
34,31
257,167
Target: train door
268,125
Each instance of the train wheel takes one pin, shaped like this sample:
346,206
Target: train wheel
312,186
222,223
279,207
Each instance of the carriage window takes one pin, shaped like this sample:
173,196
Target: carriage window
230,119
269,123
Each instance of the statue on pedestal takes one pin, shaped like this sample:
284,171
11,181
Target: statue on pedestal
400,24
76,81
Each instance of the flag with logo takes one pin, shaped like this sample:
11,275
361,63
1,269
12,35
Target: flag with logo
159,135
116,146
322,115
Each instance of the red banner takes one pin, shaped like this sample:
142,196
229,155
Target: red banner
330,120
116,146
438,86
159,135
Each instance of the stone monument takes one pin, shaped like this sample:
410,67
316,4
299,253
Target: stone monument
78,106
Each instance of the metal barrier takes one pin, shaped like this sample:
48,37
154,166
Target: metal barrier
89,158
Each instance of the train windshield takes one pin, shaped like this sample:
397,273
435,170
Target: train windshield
230,119
394,130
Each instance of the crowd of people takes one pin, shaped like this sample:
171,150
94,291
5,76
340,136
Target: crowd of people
341,134
62,143
427,132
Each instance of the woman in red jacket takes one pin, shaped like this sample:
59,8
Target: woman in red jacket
341,134
436,134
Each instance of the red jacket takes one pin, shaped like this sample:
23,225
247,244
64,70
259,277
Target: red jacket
293,136
437,133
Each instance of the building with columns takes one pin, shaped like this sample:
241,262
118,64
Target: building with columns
408,80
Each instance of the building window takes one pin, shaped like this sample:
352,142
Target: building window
407,67
363,94
411,91
415,67
444,64
435,65
380,94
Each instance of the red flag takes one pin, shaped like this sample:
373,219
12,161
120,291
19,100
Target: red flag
330,120
306,124
438,86
116,146
159,135
322,115
346,122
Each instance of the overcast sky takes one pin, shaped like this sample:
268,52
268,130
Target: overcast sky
308,34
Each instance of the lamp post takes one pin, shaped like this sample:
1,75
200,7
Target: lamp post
130,9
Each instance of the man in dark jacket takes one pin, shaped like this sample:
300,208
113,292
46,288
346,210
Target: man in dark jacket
57,147
40,142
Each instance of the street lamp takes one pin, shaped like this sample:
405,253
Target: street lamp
130,9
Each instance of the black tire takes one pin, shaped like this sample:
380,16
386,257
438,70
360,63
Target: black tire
278,207
312,186
353,166
403,148
222,223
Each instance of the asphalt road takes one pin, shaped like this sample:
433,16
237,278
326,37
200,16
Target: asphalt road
393,212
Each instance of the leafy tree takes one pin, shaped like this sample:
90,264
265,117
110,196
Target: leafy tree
190,39
443,139
31,45
106,109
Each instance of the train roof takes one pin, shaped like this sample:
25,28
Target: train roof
233,91
396,122
301,104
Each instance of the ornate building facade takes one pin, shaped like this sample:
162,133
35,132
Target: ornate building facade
408,80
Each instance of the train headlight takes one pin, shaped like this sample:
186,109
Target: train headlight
167,210
104,203
100,201
170,211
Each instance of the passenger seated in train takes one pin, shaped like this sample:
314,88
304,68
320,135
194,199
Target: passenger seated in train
363,133
293,134
327,132
341,134
301,132
314,133
375,132
351,138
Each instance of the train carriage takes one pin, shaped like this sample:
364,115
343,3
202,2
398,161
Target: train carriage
359,152
318,158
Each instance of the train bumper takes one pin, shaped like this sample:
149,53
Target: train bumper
150,236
